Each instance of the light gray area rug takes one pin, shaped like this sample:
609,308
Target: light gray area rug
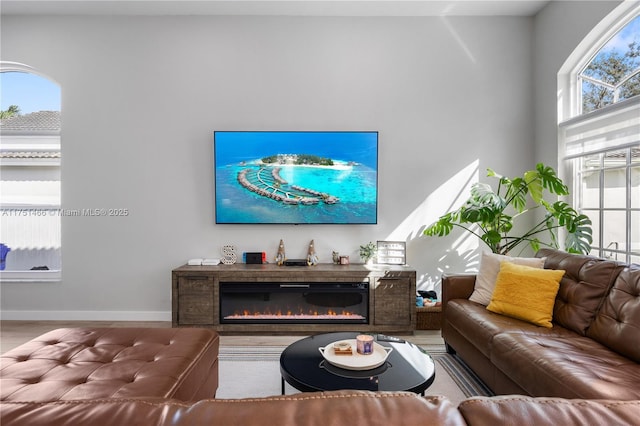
253,372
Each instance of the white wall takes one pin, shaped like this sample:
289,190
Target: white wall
141,97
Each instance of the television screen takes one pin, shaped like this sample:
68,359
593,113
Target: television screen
296,177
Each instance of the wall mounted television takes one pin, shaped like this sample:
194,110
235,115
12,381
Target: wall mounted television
289,177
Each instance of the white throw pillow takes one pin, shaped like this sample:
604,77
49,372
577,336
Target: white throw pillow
489,268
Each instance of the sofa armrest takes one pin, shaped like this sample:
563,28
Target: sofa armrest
457,286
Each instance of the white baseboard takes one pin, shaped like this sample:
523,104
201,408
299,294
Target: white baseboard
85,315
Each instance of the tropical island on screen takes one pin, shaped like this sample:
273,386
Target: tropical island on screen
328,182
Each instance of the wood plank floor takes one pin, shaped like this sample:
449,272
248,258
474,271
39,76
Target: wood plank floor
15,333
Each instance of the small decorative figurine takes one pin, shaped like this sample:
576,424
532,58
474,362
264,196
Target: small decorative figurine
280,257
336,257
312,258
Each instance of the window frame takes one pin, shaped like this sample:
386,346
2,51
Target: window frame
570,117
7,276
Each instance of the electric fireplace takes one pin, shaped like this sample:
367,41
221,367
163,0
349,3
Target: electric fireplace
294,303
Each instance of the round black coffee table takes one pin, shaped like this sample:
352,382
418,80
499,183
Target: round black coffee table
407,368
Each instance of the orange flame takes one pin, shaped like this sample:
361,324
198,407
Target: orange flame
279,313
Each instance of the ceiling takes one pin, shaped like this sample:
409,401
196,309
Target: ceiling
275,7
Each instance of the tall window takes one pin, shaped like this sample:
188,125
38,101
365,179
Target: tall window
30,176
600,142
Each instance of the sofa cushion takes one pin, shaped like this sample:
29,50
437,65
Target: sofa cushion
617,324
483,411
488,273
583,287
474,322
526,293
88,363
567,367
479,326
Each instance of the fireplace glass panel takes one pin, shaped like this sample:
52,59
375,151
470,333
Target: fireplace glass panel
294,303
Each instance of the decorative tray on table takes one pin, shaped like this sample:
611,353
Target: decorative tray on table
355,360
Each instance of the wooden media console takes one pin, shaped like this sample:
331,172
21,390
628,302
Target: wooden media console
382,298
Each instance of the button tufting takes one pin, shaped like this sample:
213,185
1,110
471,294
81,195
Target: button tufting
106,363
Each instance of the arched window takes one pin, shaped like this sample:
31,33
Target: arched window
30,176
613,74
599,132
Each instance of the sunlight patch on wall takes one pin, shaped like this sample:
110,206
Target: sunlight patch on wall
433,256
448,196
459,40
461,256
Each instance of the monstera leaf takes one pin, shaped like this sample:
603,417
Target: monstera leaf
442,227
490,213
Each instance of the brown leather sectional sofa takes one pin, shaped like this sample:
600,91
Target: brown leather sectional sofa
170,376
591,352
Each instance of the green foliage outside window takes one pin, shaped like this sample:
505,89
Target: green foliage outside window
614,73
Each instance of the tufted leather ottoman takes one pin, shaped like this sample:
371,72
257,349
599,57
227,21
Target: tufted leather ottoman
90,363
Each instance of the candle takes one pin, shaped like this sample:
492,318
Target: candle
364,344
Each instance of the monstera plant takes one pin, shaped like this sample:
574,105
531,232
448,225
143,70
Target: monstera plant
491,214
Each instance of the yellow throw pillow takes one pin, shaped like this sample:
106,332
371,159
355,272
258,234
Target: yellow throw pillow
488,272
526,293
